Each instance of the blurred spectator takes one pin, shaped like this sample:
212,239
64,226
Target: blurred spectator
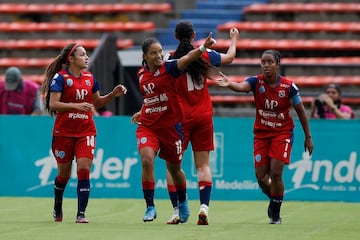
18,96
104,112
328,105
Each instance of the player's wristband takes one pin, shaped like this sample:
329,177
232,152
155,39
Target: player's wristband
202,48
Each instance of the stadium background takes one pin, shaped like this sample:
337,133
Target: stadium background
30,38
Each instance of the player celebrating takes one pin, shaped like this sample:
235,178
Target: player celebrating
197,124
159,121
273,127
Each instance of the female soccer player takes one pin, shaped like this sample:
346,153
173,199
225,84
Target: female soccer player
71,94
159,121
273,127
198,124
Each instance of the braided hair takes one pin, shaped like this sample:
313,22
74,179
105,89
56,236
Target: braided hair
55,66
275,53
197,69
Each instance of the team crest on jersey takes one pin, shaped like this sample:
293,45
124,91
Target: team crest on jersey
69,82
157,73
88,83
261,89
257,158
282,93
143,140
59,154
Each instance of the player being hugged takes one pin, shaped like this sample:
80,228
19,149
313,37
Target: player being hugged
159,128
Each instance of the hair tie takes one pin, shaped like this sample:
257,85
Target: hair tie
71,51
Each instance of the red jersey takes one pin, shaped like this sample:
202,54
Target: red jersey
77,90
195,98
161,106
273,104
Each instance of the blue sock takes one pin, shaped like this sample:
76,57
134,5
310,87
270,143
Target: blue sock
58,193
174,199
149,197
83,192
205,193
276,205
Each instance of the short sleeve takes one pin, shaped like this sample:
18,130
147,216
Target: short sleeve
57,83
252,81
96,86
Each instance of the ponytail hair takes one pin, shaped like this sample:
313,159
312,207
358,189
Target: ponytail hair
54,67
197,69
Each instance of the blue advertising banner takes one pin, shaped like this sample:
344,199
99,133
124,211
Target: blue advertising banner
332,173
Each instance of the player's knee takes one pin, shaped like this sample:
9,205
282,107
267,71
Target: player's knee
83,174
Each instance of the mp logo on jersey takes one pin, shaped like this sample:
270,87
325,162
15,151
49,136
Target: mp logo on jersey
81,93
271,104
149,88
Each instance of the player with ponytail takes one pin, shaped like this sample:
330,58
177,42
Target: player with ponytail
71,94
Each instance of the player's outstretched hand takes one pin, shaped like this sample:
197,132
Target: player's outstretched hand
223,81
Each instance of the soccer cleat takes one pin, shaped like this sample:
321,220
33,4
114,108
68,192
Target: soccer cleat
184,211
275,221
80,218
203,215
150,214
57,215
175,218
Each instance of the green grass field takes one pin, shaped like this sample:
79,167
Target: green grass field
30,218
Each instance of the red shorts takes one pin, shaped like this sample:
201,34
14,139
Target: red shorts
167,141
200,132
66,148
276,146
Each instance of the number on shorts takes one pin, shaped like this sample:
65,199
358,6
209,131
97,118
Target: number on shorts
90,141
178,146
